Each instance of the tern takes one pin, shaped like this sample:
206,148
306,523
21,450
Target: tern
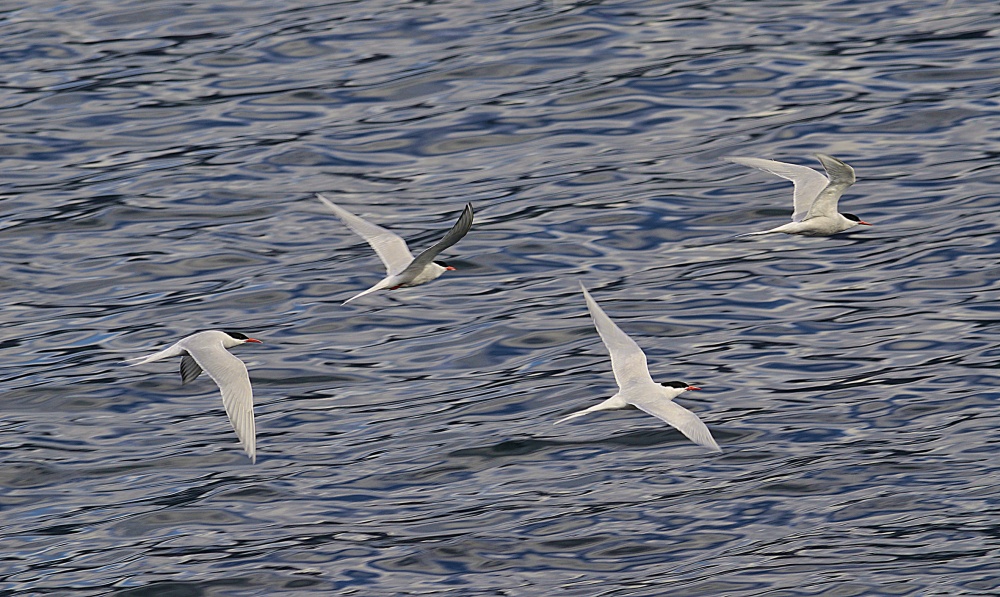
207,351
815,195
635,386
402,270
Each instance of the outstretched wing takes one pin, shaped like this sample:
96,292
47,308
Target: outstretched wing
230,374
390,247
677,417
841,177
457,232
627,359
808,182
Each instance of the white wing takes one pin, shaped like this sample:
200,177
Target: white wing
391,248
230,374
841,177
808,182
627,359
679,418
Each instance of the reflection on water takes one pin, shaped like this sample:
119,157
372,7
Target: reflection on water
159,167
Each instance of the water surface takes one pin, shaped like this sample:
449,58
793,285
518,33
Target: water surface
160,160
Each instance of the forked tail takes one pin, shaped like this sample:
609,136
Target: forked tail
156,356
379,286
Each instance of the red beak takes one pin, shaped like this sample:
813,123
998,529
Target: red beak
689,388
254,340
449,268
864,223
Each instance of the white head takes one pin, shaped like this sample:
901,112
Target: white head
431,271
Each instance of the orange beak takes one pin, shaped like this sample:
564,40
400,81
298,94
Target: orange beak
450,268
864,223
689,388
254,340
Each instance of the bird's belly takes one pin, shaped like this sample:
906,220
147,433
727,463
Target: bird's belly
423,277
819,226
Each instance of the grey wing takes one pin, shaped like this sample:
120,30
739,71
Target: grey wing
190,369
390,247
230,374
679,418
808,182
627,359
457,232
841,177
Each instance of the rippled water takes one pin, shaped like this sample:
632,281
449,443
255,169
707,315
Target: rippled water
159,163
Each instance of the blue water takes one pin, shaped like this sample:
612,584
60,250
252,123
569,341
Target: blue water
159,161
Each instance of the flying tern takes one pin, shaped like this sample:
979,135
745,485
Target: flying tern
206,351
635,386
402,270
815,195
